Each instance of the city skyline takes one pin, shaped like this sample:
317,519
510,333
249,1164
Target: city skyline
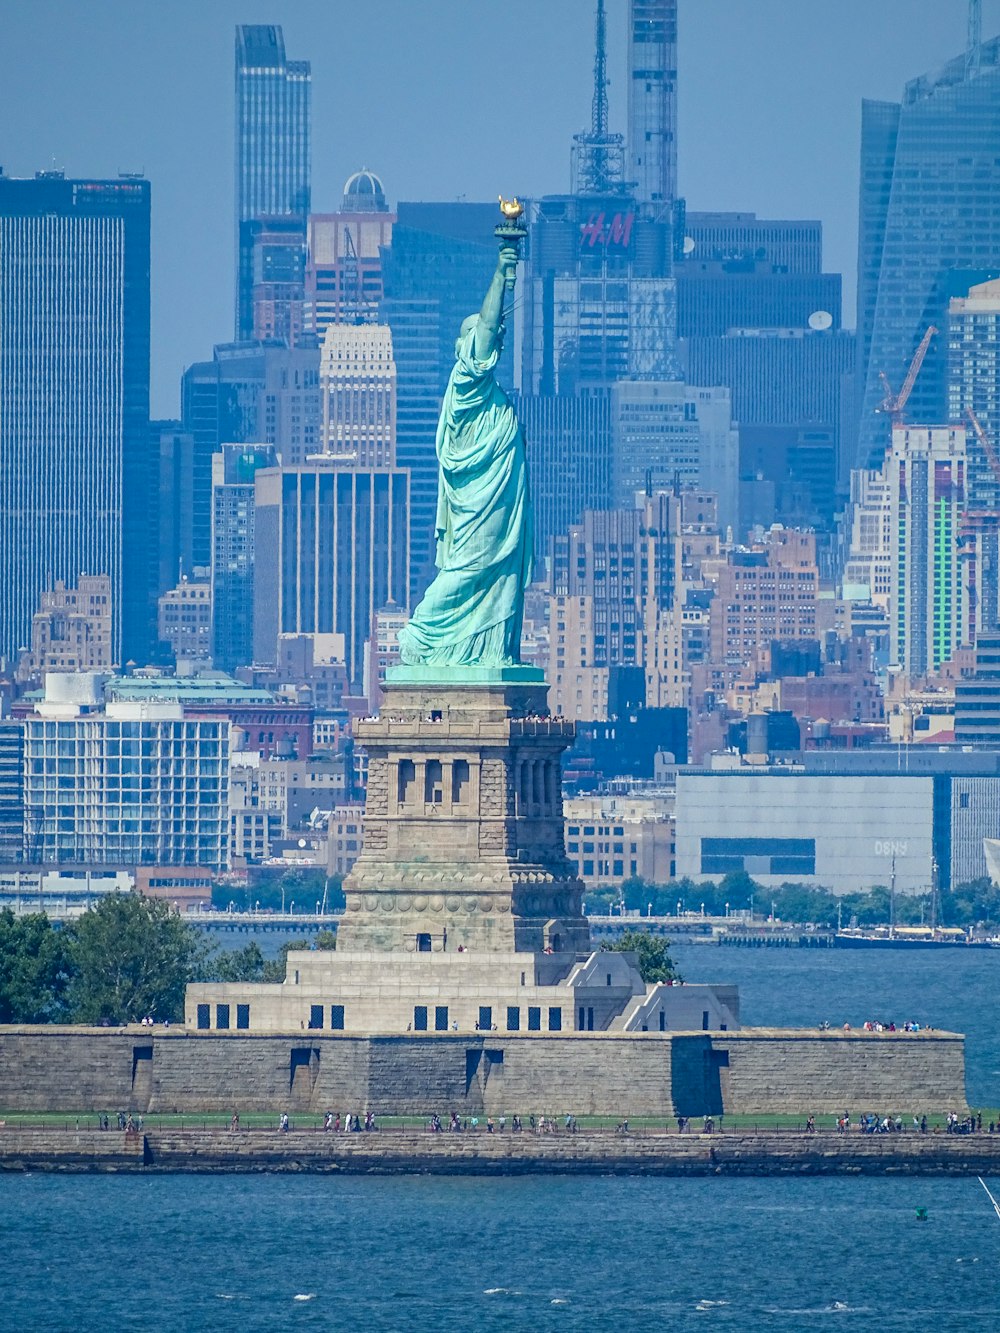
117,109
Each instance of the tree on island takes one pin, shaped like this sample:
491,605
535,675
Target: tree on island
655,963
248,964
34,969
130,956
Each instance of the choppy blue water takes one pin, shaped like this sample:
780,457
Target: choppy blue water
955,989
88,1254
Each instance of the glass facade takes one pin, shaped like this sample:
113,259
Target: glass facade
652,99
272,146
234,470
600,301
330,551
569,447
246,394
78,466
105,791
930,183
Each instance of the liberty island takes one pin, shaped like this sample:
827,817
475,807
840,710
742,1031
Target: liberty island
464,978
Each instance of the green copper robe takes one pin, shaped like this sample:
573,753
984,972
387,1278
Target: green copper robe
471,614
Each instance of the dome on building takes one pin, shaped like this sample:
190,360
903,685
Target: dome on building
363,193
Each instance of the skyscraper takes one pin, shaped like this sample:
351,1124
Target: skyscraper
665,432
358,392
78,467
272,147
234,470
930,613
756,312
344,270
929,204
599,295
599,298
612,574
569,445
974,382
246,394
744,272
331,549
277,273
652,100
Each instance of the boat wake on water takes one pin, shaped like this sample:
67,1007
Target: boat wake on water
996,1206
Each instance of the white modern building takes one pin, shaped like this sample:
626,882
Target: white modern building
845,823
123,784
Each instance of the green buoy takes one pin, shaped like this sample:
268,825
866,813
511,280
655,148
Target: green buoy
921,1214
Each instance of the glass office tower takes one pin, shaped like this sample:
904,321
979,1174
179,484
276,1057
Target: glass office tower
930,189
272,147
78,467
652,100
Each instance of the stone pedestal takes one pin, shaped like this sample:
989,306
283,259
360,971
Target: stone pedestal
463,845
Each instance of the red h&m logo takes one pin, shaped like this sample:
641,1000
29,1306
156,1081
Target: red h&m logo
617,232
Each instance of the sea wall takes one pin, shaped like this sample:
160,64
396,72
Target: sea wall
829,1072
754,1071
588,1152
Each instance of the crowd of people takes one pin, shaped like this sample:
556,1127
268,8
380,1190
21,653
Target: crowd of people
876,1025
471,1124
131,1123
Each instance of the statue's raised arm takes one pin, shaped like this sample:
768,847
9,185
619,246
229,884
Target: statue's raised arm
471,614
491,316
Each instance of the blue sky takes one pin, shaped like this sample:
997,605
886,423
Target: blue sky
446,98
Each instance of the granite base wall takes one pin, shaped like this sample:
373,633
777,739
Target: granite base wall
589,1152
755,1071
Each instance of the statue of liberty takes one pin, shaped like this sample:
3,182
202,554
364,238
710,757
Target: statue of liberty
471,614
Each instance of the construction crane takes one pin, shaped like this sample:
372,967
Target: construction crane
350,301
893,403
986,442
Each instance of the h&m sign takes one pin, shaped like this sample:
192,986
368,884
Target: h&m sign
598,231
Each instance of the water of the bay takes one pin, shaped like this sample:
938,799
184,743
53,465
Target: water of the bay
956,989
209,1254
85,1254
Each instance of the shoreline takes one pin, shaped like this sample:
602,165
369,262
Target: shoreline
588,1152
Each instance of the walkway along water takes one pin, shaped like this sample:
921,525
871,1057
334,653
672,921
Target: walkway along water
783,1152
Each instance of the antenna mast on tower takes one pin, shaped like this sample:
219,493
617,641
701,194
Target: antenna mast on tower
599,157
599,111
